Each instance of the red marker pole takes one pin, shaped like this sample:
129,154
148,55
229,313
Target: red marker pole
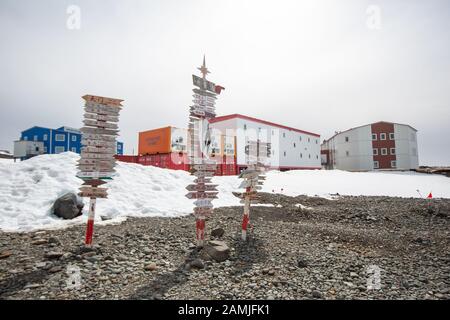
200,226
90,223
246,218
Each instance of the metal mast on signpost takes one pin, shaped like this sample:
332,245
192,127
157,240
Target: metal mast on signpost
203,168
96,165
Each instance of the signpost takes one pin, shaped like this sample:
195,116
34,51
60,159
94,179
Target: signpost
97,155
202,167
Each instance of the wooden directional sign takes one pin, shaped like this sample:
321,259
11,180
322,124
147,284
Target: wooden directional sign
100,117
203,211
202,195
205,167
98,143
99,149
204,93
203,102
201,113
92,136
203,174
202,180
105,162
102,194
203,203
201,187
103,110
203,84
95,168
103,100
93,182
204,97
102,156
99,131
100,124
95,174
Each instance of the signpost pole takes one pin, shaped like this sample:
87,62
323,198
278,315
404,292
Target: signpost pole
90,223
246,218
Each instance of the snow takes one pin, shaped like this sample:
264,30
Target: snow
29,188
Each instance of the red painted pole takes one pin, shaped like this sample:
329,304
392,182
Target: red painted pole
246,218
90,223
200,226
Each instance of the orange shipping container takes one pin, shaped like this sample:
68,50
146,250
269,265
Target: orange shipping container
155,141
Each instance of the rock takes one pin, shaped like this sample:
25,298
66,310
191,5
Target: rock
54,240
5,254
218,233
105,218
316,294
55,269
217,250
54,255
271,272
150,267
68,206
197,263
302,263
39,242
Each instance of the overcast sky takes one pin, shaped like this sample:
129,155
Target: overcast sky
320,66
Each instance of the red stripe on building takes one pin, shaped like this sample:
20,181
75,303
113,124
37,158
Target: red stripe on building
379,128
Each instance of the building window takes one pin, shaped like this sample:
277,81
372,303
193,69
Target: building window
74,138
375,152
245,127
347,153
309,156
300,138
374,136
74,149
35,138
393,164
273,132
284,135
45,137
25,138
317,141
346,139
45,149
382,136
60,137
383,151
317,156
59,149
376,165
309,139
301,155
392,150
284,153
294,145
391,136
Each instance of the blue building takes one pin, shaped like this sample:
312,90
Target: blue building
59,140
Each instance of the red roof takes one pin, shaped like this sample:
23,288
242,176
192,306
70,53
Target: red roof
240,116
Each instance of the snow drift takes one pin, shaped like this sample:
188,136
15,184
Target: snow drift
29,188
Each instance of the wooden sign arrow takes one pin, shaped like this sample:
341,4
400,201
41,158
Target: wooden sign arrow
202,180
95,174
100,109
203,211
98,149
100,124
202,195
103,100
203,174
204,93
93,182
203,102
99,131
101,117
201,187
203,203
98,143
97,161
102,156
92,136
95,168
93,194
205,167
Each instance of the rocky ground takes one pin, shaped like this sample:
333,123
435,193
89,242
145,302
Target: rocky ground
328,250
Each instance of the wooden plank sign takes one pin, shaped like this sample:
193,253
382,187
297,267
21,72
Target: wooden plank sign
99,143
203,174
201,187
101,117
99,131
93,192
203,203
100,137
202,195
203,84
202,180
204,97
98,149
100,124
93,182
101,109
103,100
95,174
205,167
204,93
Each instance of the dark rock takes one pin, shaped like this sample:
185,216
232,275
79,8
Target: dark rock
316,294
68,206
197,263
218,233
150,267
54,255
302,263
5,254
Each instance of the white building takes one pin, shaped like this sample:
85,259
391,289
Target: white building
380,145
286,148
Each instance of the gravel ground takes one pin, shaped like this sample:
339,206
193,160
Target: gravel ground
327,250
